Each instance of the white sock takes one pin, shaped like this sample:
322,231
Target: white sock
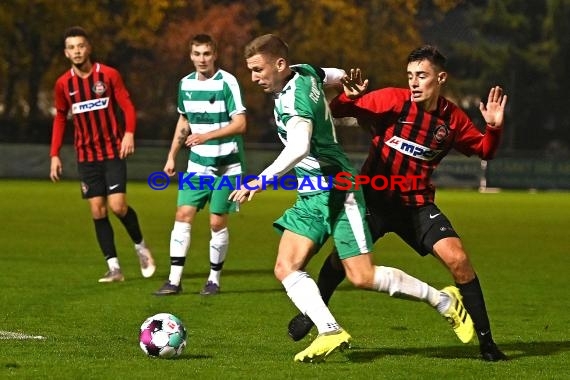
179,244
444,303
218,251
401,285
304,293
140,245
113,263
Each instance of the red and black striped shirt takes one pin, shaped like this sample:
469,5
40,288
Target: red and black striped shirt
408,141
93,104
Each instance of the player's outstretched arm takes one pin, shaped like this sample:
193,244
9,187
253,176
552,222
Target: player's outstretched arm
494,110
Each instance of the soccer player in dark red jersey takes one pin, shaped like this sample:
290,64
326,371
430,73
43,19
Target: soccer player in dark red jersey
412,131
92,91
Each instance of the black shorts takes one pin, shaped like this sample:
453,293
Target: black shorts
420,227
101,178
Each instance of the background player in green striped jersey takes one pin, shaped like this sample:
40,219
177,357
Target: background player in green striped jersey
211,123
305,127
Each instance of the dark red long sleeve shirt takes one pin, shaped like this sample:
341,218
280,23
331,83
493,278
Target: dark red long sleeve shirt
93,103
408,141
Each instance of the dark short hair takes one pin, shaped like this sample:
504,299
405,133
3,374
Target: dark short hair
75,31
269,44
203,39
430,53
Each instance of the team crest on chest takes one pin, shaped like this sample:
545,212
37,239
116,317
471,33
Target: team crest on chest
441,132
99,88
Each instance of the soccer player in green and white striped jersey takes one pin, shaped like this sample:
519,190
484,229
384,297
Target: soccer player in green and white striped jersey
211,123
306,128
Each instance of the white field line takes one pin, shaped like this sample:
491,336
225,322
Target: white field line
18,336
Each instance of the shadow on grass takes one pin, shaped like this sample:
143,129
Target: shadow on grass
228,273
513,351
192,357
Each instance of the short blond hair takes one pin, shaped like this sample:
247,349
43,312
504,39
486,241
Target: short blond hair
268,44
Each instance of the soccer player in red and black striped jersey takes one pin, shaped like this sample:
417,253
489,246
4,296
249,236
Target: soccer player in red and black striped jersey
92,91
412,131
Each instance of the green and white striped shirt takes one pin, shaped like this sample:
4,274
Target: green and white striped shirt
209,105
304,96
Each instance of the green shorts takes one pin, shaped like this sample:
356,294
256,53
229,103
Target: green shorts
336,213
214,190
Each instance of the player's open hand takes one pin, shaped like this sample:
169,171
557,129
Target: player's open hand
246,192
127,145
353,84
494,110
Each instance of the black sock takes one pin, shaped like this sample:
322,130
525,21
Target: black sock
330,278
131,223
105,237
475,305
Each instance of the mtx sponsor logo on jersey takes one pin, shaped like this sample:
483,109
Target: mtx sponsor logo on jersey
90,105
412,149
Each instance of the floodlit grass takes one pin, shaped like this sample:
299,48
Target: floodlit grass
51,262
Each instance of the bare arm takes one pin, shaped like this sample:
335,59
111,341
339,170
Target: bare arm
180,134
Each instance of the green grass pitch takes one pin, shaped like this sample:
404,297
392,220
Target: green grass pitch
50,263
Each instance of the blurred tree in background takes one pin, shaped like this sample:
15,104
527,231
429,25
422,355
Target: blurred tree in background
523,46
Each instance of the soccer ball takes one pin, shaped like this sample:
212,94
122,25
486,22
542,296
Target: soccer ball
162,335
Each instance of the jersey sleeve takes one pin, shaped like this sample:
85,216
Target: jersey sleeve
333,76
471,141
124,100
372,103
233,96
299,131
60,119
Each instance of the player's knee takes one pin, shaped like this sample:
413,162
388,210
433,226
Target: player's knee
280,270
458,262
98,212
119,209
216,227
361,279
183,215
